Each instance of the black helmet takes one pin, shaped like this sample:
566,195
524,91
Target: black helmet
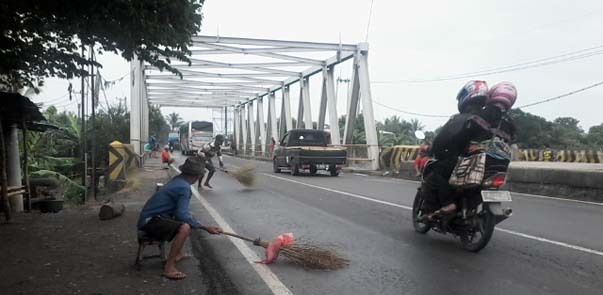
219,139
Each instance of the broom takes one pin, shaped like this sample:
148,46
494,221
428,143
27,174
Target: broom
245,175
307,255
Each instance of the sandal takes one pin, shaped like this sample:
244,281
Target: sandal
176,275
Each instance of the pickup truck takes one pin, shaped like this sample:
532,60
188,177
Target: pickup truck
307,149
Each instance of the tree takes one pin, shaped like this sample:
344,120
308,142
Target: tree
158,127
43,38
174,120
594,139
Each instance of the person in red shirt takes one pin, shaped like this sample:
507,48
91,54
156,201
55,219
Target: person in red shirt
422,158
166,157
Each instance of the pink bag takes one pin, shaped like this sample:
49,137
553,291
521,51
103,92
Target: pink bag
274,247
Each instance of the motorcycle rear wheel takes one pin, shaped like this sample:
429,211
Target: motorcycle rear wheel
484,229
420,227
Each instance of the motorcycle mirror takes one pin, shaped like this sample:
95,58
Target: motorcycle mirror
419,134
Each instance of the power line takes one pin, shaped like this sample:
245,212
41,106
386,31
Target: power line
368,24
561,96
566,57
56,99
411,113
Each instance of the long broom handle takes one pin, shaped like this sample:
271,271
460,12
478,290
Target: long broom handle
257,242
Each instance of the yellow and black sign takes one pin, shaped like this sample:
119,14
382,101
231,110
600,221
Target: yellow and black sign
121,158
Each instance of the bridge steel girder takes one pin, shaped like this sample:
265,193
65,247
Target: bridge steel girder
273,132
250,121
209,82
286,122
260,125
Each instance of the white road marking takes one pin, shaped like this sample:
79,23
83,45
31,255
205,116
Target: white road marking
515,193
342,193
272,281
562,244
558,199
519,234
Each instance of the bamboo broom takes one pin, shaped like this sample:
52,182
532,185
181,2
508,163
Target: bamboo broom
307,255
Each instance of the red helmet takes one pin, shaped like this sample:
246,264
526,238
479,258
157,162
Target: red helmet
503,94
473,93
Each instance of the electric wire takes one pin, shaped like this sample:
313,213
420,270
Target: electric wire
561,96
566,57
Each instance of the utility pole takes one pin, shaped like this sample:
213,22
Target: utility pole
93,95
83,131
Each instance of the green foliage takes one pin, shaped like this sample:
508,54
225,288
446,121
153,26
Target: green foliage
562,133
174,120
158,127
42,38
74,193
112,123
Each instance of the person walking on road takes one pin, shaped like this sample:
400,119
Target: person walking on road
210,150
166,216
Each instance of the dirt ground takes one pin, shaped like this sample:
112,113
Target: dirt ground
73,252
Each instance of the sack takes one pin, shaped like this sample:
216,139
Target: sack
497,149
469,171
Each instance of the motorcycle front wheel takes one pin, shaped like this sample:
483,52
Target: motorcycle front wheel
420,227
481,234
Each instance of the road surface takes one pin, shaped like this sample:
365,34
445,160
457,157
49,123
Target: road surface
548,246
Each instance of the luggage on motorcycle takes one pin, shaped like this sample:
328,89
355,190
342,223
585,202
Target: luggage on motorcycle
497,148
469,171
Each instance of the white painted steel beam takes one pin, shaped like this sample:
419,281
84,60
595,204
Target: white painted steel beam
352,107
264,42
272,119
245,128
367,111
307,105
259,50
251,123
300,107
264,54
177,105
322,111
195,74
261,125
332,107
286,122
136,105
235,129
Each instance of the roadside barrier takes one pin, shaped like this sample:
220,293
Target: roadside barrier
392,157
122,159
549,155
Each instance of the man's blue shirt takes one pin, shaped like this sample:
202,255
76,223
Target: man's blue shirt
171,201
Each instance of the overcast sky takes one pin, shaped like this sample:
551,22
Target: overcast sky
418,40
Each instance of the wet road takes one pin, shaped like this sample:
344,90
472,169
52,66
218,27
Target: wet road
547,247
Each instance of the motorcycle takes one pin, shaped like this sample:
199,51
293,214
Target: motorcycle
479,209
171,145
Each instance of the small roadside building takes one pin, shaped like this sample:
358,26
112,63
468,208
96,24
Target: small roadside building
17,112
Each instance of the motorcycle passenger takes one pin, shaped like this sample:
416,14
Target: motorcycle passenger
210,150
477,128
449,144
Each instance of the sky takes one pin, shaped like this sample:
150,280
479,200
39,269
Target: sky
416,40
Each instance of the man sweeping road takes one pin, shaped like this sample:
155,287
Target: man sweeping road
166,215
210,150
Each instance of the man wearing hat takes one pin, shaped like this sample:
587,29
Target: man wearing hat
166,215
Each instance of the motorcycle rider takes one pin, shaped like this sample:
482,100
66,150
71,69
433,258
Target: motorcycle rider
475,123
210,150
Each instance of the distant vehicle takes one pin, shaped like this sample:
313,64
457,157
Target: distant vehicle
307,149
194,135
174,141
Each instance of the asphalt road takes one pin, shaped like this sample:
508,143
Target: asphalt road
547,247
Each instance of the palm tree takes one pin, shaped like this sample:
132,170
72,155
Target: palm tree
174,120
416,125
